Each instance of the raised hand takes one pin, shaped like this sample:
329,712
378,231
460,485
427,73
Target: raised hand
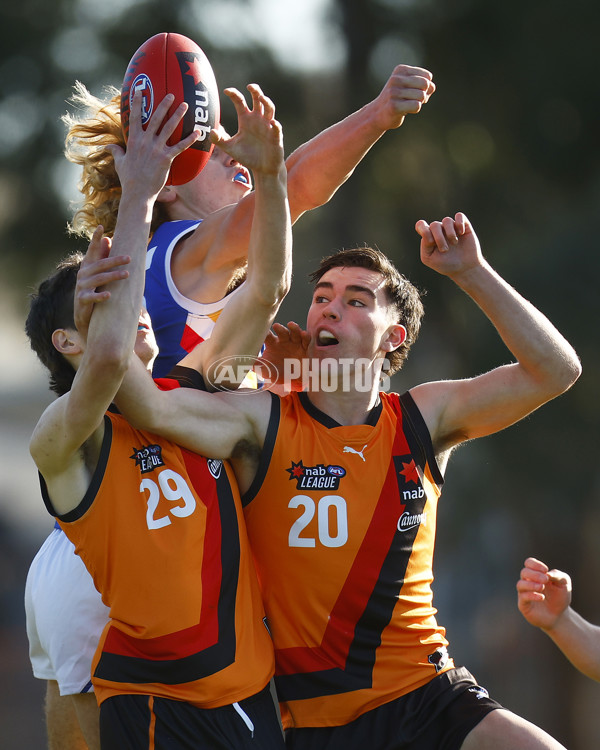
285,348
144,166
97,269
258,144
405,92
543,594
450,246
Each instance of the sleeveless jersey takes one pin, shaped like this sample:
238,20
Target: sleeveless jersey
341,521
162,533
179,323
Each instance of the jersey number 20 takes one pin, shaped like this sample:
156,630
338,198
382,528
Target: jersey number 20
325,508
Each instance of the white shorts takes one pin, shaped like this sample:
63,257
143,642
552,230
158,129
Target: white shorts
64,614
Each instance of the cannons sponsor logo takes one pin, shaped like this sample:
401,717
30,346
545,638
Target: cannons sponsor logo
408,520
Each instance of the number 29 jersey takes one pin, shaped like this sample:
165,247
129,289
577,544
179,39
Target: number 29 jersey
162,533
341,521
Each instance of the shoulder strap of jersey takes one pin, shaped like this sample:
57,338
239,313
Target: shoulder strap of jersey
95,481
267,450
414,424
182,377
168,230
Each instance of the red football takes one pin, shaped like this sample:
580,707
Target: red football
173,64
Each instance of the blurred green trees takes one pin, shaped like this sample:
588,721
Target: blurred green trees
510,138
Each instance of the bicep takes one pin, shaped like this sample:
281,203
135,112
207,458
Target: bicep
196,420
459,410
66,425
221,239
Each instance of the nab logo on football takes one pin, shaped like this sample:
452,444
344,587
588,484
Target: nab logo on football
144,84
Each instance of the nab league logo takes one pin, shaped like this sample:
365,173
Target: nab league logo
148,458
319,477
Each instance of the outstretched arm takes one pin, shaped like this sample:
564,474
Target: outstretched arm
546,363
244,322
102,361
317,168
219,425
544,598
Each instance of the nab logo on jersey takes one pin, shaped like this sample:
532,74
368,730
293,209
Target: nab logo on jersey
319,477
148,458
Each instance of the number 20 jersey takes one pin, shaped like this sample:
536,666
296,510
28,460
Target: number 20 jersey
341,521
162,533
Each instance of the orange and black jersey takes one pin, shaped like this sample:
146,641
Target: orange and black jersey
341,521
162,533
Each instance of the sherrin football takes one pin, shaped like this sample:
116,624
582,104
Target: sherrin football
173,64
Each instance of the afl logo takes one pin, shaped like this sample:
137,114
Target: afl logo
336,471
144,84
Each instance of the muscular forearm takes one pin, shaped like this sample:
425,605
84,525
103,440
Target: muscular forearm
543,353
319,167
113,326
270,248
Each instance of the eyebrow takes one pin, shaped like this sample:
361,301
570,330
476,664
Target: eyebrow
349,288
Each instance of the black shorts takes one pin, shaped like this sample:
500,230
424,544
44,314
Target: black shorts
143,722
437,716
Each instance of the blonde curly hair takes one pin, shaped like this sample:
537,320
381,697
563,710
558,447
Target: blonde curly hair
96,124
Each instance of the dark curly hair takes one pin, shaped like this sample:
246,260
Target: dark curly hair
401,294
51,308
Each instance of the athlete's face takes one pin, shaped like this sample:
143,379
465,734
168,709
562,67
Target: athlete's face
350,316
222,181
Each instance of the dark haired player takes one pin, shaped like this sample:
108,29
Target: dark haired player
340,486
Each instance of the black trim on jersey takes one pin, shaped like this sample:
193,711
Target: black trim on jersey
266,452
94,485
379,608
322,418
122,668
187,377
421,432
377,614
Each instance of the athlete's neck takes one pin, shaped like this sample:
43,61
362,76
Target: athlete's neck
346,408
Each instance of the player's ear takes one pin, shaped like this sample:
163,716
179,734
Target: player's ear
394,337
67,341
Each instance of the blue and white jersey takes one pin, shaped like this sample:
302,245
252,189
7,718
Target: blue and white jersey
179,323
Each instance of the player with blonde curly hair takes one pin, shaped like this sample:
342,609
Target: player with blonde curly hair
198,250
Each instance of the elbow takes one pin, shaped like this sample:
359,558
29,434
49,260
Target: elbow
570,369
282,288
279,294
572,372
110,361
565,374
270,296
304,197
